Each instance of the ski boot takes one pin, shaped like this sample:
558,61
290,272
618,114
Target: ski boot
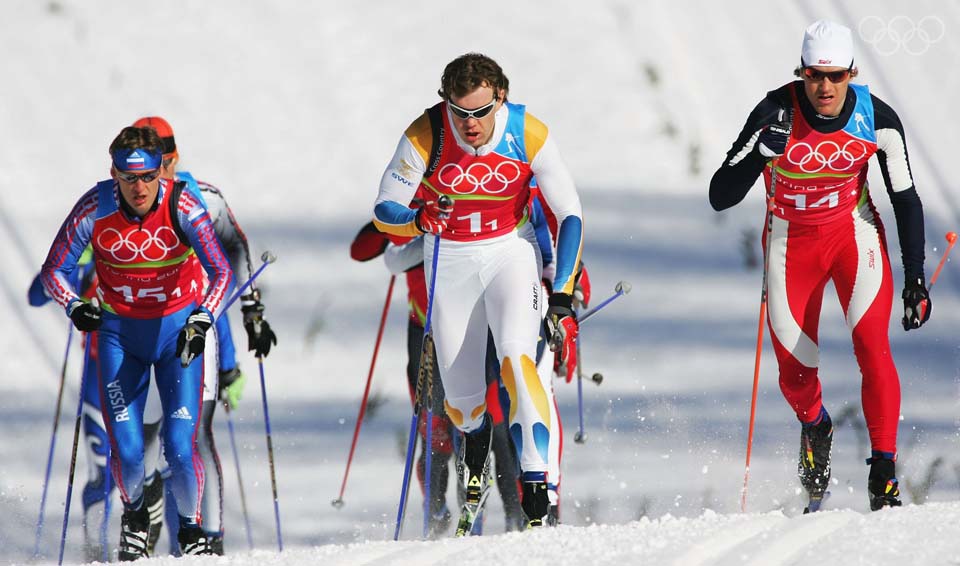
193,541
134,525
215,540
153,501
816,439
553,514
536,500
473,469
882,485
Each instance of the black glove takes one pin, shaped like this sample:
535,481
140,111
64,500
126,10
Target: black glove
916,303
86,317
193,336
259,335
773,138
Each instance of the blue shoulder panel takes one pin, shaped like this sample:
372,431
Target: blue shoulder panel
512,144
861,123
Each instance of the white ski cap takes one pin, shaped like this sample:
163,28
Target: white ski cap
827,44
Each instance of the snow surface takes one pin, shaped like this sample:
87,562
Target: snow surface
294,108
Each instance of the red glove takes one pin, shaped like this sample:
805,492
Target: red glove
581,287
433,215
563,328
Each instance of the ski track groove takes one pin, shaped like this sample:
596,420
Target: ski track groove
726,540
787,539
420,552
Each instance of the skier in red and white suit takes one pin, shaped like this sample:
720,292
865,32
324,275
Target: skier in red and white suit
824,227
488,271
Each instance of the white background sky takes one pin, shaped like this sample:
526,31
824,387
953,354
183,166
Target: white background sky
294,108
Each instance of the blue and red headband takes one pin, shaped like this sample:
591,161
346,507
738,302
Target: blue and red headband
136,159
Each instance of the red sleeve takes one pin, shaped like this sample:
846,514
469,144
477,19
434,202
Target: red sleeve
368,244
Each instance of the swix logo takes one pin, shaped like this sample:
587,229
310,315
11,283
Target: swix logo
827,155
118,405
871,259
824,61
479,176
138,245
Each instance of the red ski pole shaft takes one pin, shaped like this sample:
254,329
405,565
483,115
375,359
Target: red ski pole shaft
338,502
768,226
951,240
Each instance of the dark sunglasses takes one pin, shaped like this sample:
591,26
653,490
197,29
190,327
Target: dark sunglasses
134,177
477,113
832,76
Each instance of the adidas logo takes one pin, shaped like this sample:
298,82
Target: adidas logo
181,413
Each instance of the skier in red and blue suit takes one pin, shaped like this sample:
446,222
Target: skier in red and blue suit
152,241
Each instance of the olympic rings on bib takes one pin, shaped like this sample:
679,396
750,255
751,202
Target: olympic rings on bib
827,154
479,176
138,244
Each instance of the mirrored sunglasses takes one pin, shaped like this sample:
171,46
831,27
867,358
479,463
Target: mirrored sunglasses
832,76
134,177
477,113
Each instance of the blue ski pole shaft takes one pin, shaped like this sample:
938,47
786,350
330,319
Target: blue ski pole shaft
53,441
236,461
407,467
273,473
580,437
427,343
267,258
73,453
622,288
105,523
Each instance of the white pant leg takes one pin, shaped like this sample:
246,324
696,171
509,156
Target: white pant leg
459,326
514,304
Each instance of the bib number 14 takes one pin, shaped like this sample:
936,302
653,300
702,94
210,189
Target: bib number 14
831,200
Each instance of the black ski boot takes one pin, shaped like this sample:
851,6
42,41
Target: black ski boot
134,525
816,441
473,469
536,503
153,501
882,485
215,540
193,541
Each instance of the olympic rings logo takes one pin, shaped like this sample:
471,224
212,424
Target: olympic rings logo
915,38
138,244
826,154
479,176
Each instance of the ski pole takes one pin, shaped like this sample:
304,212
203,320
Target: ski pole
273,473
620,289
236,461
338,502
763,315
53,440
951,240
580,437
267,258
76,440
425,352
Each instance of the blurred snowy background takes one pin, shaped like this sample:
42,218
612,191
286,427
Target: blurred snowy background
294,108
